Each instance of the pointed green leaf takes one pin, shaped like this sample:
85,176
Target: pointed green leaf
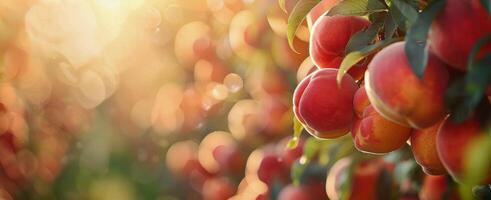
354,57
363,38
416,48
357,7
390,26
301,9
408,11
487,5
465,94
282,5
398,18
297,131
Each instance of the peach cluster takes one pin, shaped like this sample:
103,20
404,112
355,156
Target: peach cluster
381,100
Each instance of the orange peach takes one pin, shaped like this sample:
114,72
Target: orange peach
371,132
453,143
329,38
423,145
375,134
324,108
399,95
456,29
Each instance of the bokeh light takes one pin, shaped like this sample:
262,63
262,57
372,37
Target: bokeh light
142,99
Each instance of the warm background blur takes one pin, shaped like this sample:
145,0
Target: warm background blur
141,99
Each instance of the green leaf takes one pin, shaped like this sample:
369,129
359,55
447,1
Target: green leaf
357,7
398,18
408,11
465,94
297,131
384,185
301,9
487,5
363,38
475,49
482,191
416,48
310,149
354,57
404,170
297,171
390,26
478,160
282,5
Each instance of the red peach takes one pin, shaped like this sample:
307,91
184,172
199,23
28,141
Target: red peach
229,158
374,134
360,101
320,9
399,95
456,29
364,182
371,132
309,191
292,192
217,189
423,145
435,187
271,169
453,143
324,108
329,38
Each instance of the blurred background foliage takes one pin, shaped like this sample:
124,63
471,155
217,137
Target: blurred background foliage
95,94
174,99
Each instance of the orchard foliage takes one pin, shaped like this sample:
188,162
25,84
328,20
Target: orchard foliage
427,82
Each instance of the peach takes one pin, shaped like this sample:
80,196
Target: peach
325,110
453,142
329,38
371,132
310,191
271,169
292,192
320,9
423,145
436,188
229,158
217,189
365,178
399,95
456,29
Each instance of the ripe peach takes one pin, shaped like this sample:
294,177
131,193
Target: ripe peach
371,132
360,101
309,191
329,38
447,39
399,95
320,9
271,169
217,189
292,192
453,142
423,145
229,158
325,110
365,178
435,187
